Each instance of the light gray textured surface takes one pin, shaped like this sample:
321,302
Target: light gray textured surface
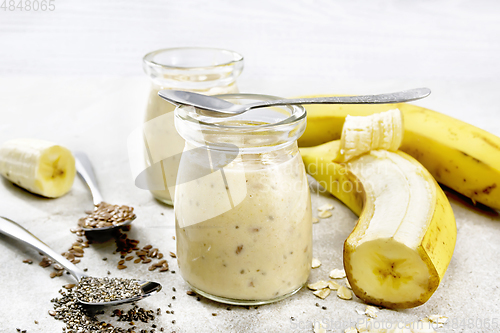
73,76
99,120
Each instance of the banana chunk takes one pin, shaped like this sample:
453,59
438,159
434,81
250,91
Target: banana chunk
39,166
379,131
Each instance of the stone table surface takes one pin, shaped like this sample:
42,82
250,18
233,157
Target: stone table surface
97,114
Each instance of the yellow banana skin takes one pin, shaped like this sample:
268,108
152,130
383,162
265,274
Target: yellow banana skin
436,246
334,177
458,155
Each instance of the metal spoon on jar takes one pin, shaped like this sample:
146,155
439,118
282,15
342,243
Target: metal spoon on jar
86,173
15,231
217,107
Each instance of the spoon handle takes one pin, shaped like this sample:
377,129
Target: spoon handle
84,170
389,98
12,229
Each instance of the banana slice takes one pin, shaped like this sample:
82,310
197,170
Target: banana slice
379,131
38,166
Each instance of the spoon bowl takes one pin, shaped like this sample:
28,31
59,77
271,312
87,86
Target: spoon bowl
148,288
111,227
86,173
14,230
217,107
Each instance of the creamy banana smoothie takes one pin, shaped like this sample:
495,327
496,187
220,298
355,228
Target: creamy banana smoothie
160,133
260,248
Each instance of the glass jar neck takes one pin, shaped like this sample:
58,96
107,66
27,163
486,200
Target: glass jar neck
253,132
219,89
195,69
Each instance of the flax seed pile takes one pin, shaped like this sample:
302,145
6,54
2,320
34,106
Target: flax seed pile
127,247
106,215
129,250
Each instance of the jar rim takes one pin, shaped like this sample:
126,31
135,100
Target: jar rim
257,130
149,58
298,113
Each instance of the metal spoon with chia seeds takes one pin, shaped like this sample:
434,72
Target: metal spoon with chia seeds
109,218
147,288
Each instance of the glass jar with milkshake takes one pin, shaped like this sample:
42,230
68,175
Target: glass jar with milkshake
242,203
203,70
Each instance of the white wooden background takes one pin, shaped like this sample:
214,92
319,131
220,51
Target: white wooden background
290,40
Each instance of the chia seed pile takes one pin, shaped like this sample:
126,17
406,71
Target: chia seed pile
106,215
77,320
98,290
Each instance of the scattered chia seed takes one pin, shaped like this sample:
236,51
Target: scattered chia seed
98,290
78,320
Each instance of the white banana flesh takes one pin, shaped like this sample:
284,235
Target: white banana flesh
382,130
39,166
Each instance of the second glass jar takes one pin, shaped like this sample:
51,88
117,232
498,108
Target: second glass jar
203,70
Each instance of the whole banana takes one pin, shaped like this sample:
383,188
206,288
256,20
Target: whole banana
403,241
39,166
458,155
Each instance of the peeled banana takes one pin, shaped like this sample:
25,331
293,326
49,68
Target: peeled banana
360,135
458,155
38,166
403,241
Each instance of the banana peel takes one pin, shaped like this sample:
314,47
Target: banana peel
459,155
